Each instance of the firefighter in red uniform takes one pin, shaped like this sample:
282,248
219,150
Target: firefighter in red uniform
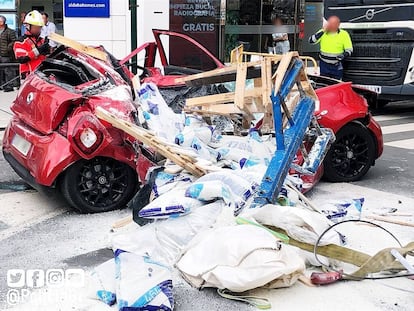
30,50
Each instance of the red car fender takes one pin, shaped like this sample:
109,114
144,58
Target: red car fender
339,105
375,129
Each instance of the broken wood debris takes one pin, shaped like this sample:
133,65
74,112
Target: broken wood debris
246,102
175,153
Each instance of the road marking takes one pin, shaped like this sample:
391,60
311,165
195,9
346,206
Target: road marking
405,144
391,117
399,128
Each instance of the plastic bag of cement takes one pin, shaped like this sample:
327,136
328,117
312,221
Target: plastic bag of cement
242,159
239,189
212,190
103,282
170,204
142,283
203,150
301,224
343,210
165,239
165,182
186,137
158,116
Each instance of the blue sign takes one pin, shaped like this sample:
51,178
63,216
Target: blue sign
87,8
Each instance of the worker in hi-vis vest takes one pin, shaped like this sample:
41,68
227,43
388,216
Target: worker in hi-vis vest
336,45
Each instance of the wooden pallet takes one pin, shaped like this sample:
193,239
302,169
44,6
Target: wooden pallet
246,102
177,154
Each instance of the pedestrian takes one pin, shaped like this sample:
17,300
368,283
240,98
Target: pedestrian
336,45
22,29
47,29
281,44
31,49
7,39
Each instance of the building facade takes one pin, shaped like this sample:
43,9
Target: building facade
220,25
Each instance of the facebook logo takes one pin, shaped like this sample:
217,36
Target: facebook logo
35,278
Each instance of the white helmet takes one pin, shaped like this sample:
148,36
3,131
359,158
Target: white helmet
34,18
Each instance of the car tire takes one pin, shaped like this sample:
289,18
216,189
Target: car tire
351,155
99,185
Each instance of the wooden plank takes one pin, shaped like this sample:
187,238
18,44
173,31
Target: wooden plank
236,55
240,85
218,73
201,75
224,108
265,91
222,98
269,81
391,220
153,141
281,70
252,73
78,46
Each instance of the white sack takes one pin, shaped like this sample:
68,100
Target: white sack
142,282
165,239
160,118
103,283
240,258
171,204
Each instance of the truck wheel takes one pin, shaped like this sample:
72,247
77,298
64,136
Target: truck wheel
351,155
99,185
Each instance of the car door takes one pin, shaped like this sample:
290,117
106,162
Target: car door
186,55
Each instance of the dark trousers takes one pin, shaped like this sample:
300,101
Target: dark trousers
6,73
334,71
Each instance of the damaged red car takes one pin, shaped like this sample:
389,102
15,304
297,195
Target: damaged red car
55,142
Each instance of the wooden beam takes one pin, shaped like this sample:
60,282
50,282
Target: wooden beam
216,73
171,152
222,98
282,68
78,46
220,109
240,88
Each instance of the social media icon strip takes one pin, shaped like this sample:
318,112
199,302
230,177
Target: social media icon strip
55,277
16,278
75,278
35,278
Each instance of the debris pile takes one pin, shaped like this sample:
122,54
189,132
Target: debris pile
206,217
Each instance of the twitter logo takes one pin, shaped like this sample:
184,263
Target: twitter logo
16,278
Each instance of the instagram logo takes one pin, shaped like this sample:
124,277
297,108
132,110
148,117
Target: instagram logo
55,277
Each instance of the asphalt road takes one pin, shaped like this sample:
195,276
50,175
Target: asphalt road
49,234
